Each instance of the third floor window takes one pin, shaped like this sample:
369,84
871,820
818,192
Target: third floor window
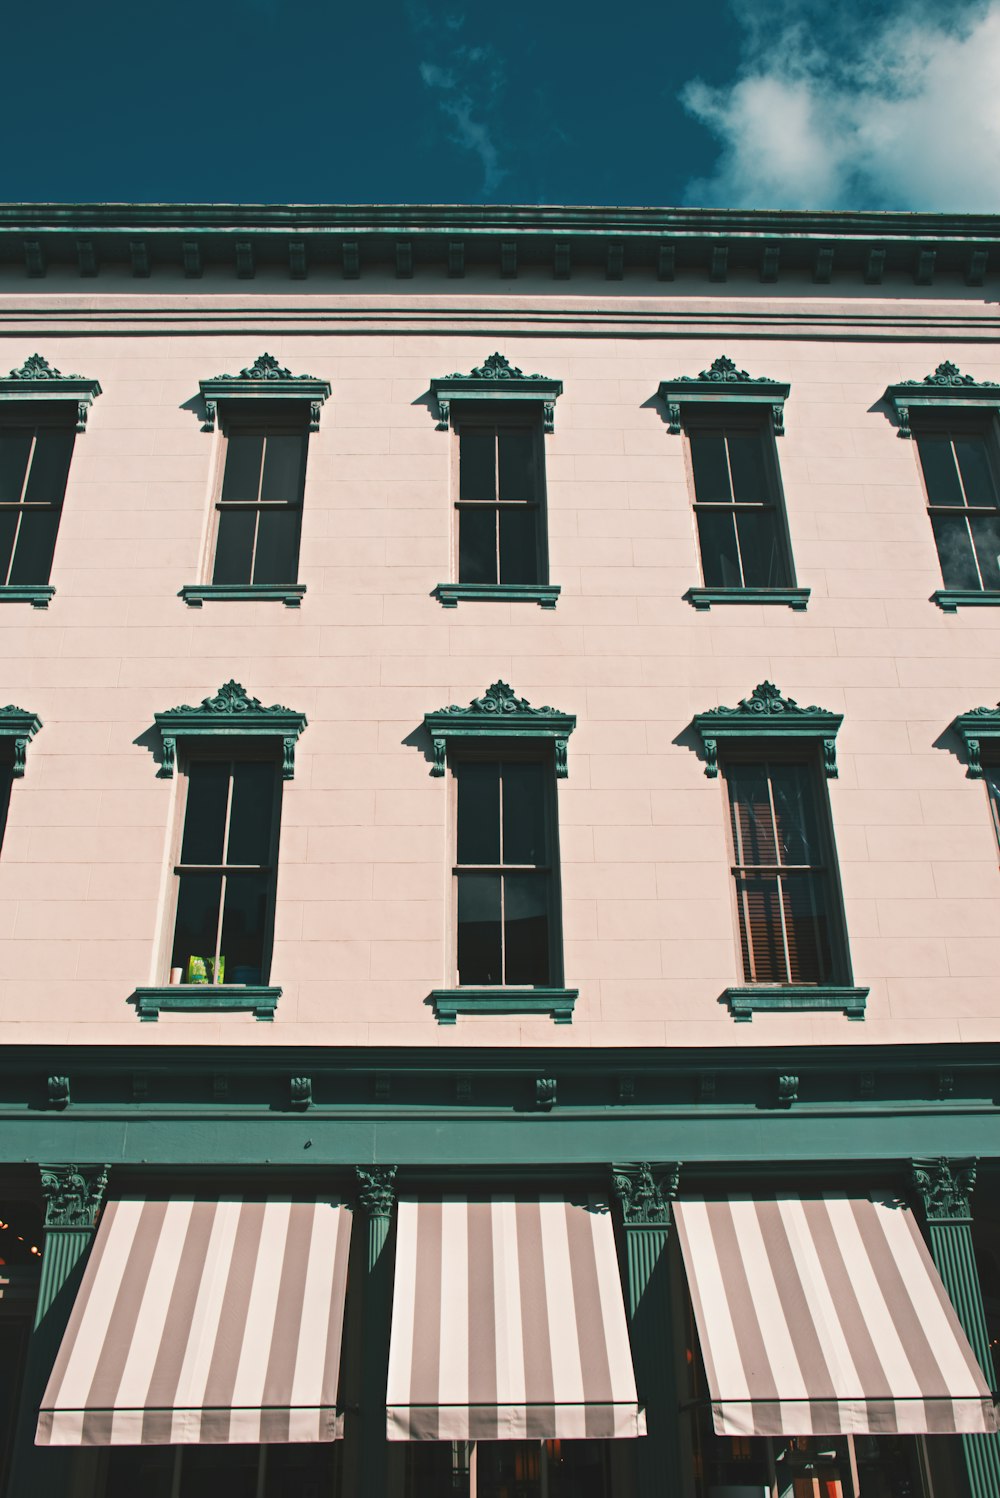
34,467
260,505
960,468
738,506
501,531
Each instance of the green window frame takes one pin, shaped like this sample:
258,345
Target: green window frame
960,467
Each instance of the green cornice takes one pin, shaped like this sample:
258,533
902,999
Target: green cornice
765,714
18,727
947,388
499,714
407,238
230,713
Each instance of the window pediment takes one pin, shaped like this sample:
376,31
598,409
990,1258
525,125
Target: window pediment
765,714
496,380
973,728
723,384
18,727
264,380
36,380
230,713
499,713
947,388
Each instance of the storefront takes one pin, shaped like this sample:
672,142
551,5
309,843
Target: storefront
789,1308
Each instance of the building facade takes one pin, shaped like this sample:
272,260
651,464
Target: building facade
499,900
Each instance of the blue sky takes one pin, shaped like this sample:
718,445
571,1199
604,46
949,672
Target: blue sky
746,103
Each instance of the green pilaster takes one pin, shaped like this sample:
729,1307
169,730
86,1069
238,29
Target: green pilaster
945,1189
644,1193
376,1197
73,1196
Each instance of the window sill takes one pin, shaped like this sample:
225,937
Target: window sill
544,594
290,594
451,1002
190,998
34,593
747,1000
950,599
703,598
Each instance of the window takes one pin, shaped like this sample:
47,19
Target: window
960,471
504,873
226,872
500,529
738,509
260,505
34,467
783,873
6,780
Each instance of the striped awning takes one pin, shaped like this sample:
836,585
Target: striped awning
825,1315
203,1322
508,1323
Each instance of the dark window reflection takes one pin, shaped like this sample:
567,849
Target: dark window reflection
499,535
963,496
260,507
34,468
737,509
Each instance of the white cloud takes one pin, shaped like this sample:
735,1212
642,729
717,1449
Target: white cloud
468,82
832,110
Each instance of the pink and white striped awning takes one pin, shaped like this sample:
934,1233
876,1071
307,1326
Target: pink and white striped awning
825,1316
204,1322
508,1323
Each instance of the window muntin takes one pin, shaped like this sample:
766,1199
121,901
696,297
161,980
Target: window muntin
963,499
226,872
783,873
34,468
504,873
260,505
499,503
737,507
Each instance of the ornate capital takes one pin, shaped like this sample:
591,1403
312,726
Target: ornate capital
645,1192
376,1191
944,1187
73,1194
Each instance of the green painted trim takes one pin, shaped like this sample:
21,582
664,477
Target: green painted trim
36,380
496,379
19,726
451,594
746,1000
765,714
265,380
946,387
499,714
230,713
192,998
951,599
703,598
36,594
449,1003
723,384
290,594
972,728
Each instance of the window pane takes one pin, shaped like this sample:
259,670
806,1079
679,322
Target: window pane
793,789
477,545
479,928
806,928
518,549
477,465
277,556
711,472
195,934
6,779
720,563
205,814
244,453
940,473
234,546
284,466
762,560
746,461
8,530
15,447
974,466
750,809
954,544
50,466
992,777
36,543
252,812
986,538
478,811
524,820
243,923
517,465
526,928
760,930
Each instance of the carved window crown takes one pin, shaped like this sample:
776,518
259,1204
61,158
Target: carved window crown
231,712
499,713
496,379
946,389
723,383
264,381
36,380
978,726
766,714
18,728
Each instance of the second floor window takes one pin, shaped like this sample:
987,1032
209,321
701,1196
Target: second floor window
505,873
500,504
260,505
738,507
785,879
963,494
34,467
226,872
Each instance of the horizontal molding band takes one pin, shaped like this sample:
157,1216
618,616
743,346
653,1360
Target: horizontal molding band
290,594
704,598
451,1002
744,1002
451,594
190,998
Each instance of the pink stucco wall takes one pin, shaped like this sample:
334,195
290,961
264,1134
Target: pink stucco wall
361,926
